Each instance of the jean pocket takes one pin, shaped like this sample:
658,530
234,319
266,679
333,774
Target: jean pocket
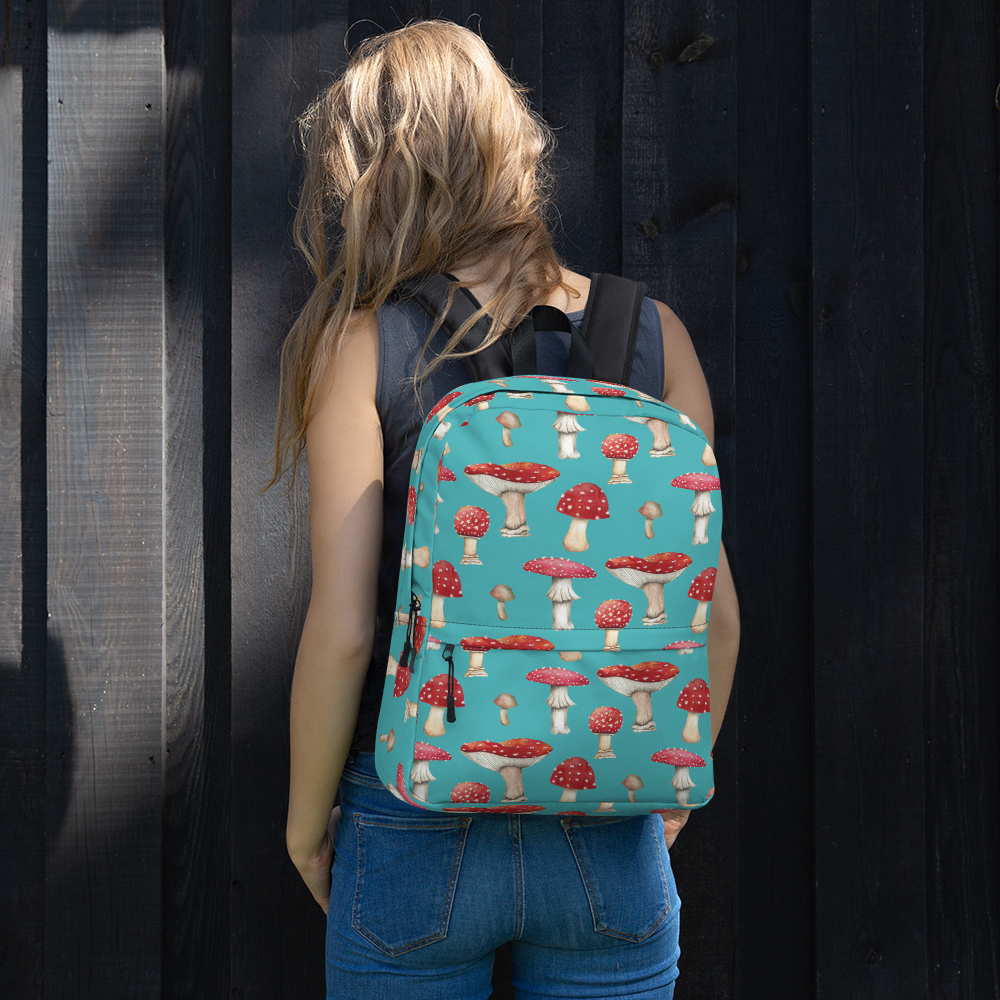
621,864
407,873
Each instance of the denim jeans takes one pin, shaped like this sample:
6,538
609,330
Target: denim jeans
420,900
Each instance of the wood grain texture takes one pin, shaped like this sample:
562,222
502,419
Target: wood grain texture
868,485
960,517
771,508
279,65
679,236
105,487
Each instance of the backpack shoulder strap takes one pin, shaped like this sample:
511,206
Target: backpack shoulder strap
611,325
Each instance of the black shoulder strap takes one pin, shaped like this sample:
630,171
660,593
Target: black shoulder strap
611,325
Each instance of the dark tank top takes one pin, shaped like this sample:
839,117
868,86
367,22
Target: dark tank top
402,329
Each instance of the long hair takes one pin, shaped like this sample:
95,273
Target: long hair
431,159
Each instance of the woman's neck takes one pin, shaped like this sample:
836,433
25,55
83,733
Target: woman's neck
484,279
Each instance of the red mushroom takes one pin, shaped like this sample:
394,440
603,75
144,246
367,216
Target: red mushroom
481,402
523,807
441,409
650,574
445,583
633,783
435,693
509,422
701,590
682,760
503,594
567,426
411,504
605,722
510,758
445,475
694,699
639,683
400,673
661,435
573,775
683,647
703,483
607,390
559,681
420,776
619,448
400,790
477,646
612,616
471,524
511,482
470,791
583,502
561,593
530,642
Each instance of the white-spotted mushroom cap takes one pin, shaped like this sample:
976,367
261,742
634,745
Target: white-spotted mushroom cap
575,774
613,614
620,446
703,585
605,720
435,692
556,676
427,751
445,475
678,757
445,580
585,500
519,752
484,398
694,697
479,644
698,481
682,646
411,504
470,791
516,477
559,568
471,522
442,403
607,390
650,675
531,642
637,571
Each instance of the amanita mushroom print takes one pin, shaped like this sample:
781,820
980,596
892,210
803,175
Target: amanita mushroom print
509,758
573,775
435,693
523,807
441,409
561,593
422,556
481,402
682,760
504,702
661,435
511,482
418,454
619,448
683,647
554,383
470,791
633,783
569,656
583,502
410,710
708,456
578,404
420,775
650,510
694,699
471,524
567,426
445,475
650,574
607,390
604,723
400,790
639,682
701,590
605,807
529,642
559,681
411,504
503,594
509,422
477,646
612,616
702,483
445,583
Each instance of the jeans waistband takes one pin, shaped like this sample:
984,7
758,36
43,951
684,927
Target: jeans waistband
360,770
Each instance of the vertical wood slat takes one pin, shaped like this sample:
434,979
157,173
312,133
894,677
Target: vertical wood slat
772,507
867,239
678,235
282,56
105,486
960,631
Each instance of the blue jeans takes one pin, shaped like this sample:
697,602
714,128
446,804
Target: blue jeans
420,900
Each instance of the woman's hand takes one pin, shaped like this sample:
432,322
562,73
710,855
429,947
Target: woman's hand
315,866
673,822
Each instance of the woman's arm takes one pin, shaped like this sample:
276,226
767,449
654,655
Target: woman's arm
344,447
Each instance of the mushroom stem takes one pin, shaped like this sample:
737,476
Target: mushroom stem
438,498
655,615
618,472
437,611
700,536
476,664
421,777
515,784
516,522
606,807
501,611
604,746
391,667
643,712
649,528
434,723
504,721
506,438
469,557
661,438
631,795
682,782
559,721
483,404
701,508
567,446
700,621
576,537
442,430
611,640
690,733
410,710
568,795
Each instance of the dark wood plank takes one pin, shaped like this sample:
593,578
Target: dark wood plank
867,240
960,595
282,56
196,856
105,488
771,508
679,236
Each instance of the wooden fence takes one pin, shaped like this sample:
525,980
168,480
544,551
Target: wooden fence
812,186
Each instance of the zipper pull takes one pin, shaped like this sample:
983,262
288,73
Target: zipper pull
447,652
411,631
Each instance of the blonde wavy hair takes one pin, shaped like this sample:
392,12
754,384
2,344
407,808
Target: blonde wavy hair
432,159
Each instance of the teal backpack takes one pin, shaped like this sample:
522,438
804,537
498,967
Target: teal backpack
550,649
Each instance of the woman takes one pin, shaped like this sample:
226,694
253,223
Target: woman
428,155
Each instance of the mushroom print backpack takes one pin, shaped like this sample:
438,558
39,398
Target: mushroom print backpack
549,652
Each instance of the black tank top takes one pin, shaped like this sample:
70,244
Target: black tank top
402,329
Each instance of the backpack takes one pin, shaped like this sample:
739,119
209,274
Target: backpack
549,654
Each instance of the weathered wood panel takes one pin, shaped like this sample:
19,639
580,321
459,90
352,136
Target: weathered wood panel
868,487
772,507
960,442
105,489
